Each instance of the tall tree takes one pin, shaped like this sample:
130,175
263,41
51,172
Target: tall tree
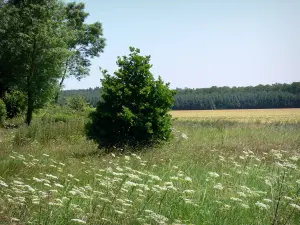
86,42
33,48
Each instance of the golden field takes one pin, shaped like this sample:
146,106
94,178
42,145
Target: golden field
242,115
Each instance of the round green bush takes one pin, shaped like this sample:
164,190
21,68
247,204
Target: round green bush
134,107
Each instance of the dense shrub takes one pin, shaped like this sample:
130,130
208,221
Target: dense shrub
15,102
134,106
2,111
77,103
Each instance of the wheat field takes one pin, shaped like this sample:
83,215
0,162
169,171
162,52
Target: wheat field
243,115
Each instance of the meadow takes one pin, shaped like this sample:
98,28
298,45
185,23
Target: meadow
222,167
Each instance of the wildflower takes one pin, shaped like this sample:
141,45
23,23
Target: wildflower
219,186
242,194
244,206
58,185
174,178
221,158
188,191
78,221
288,198
154,177
268,182
262,205
294,158
267,200
226,174
46,184
55,204
129,183
119,212
51,176
2,183
213,174
236,199
289,165
188,179
105,200
133,176
295,206
183,135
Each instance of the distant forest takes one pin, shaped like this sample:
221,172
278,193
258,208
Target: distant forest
251,97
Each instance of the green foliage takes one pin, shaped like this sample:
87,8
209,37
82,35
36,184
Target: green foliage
2,111
33,49
77,103
84,42
15,102
134,107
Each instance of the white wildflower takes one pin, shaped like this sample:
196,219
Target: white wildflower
288,198
78,221
262,205
244,206
58,185
188,179
267,200
242,194
218,186
129,183
294,158
119,212
2,183
51,176
188,191
213,174
295,206
183,135
236,199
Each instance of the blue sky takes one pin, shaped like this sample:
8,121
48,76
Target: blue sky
201,43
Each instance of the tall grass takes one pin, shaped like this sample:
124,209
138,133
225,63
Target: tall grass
213,172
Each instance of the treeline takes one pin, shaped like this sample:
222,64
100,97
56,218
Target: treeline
251,97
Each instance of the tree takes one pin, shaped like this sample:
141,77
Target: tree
33,49
133,109
84,41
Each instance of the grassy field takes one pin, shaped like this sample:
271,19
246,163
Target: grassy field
222,167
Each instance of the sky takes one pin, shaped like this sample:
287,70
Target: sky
200,43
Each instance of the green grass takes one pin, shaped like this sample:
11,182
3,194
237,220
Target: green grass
212,172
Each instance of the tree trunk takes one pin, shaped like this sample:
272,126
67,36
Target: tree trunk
61,82
60,86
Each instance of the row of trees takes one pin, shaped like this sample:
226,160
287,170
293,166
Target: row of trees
41,43
252,97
